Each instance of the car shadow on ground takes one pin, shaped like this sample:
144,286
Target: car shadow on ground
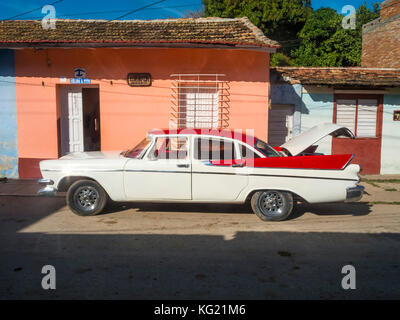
50,205
324,209
178,207
332,209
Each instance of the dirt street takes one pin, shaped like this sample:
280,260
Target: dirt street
174,251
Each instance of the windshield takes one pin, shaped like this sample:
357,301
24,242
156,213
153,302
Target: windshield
266,149
137,151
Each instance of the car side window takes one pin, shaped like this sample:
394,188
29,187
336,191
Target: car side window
247,153
214,149
170,148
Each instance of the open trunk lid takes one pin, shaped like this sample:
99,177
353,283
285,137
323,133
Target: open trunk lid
306,139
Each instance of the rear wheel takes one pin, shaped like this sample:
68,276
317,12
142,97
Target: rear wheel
86,198
272,205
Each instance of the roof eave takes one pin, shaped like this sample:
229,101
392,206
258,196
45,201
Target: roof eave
386,79
342,85
348,85
132,44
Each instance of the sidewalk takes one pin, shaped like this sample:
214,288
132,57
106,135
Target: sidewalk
19,187
381,177
381,189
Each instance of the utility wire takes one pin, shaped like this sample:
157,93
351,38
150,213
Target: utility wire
138,9
22,14
102,12
127,14
117,11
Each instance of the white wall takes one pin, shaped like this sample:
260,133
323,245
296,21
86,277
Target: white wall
390,157
318,108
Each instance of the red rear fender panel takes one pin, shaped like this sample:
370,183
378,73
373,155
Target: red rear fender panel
333,162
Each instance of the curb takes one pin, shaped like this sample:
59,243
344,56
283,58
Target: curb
28,195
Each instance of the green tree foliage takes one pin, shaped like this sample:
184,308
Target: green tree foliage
308,38
324,41
278,19
365,15
281,60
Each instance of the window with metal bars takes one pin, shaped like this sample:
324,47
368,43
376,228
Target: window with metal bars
199,101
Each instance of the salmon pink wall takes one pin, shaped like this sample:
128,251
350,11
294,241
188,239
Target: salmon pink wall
126,113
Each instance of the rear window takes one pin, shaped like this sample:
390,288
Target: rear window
247,153
265,149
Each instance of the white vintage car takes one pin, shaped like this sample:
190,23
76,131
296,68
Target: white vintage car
209,166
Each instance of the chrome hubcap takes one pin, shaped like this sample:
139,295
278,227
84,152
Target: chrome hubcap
271,203
86,198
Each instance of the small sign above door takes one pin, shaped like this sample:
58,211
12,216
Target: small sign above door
139,79
80,73
80,81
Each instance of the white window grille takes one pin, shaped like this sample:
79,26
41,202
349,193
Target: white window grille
366,120
346,113
199,101
359,115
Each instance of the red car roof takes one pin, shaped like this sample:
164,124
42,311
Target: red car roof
226,133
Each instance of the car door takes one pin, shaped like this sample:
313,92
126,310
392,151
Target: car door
163,174
215,182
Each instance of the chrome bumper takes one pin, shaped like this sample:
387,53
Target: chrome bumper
48,190
354,194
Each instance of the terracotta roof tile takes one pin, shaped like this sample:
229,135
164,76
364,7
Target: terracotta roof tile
364,77
237,31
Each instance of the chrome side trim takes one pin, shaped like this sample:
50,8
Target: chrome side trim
289,168
347,163
85,170
220,173
244,174
205,163
303,177
161,171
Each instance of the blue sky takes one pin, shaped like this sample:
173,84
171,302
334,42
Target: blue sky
106,9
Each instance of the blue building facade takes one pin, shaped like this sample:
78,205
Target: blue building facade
315,104
8,116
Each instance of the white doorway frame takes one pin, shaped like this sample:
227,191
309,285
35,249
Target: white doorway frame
71,117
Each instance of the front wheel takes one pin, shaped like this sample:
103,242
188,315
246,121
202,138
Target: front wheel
272,205
86,198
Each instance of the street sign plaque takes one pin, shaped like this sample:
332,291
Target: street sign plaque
139,79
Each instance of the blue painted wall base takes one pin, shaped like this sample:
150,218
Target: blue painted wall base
8,116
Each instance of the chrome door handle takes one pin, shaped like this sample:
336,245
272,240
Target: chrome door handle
237,165
183,165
